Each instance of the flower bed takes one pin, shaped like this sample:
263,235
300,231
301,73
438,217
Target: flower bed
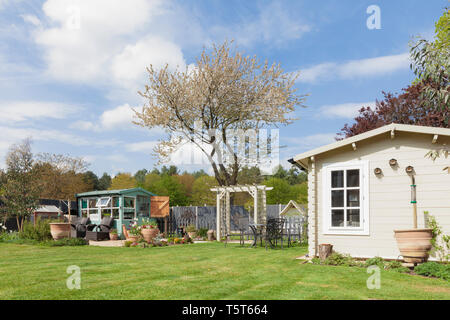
428,269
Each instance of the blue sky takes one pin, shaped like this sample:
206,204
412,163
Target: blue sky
70,70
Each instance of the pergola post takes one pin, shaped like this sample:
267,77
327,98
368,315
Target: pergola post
218,217
227,213
255,204
223,195
264,209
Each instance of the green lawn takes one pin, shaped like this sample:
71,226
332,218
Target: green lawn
196,271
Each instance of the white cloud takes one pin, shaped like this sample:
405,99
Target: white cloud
128,67
144,146
84,52
355,68
343,110
16,111
274,25
30,18
118,117
308,142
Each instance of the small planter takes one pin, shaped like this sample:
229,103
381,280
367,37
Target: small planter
113,236
133,238
192,234
414,244
149,234
60,230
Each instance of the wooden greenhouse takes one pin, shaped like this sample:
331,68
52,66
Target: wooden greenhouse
125,206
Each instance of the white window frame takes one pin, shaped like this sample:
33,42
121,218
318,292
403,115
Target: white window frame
363,229
134,207
98,204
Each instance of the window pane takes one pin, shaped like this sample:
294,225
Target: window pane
106,213
84,213
337,179
353,178
129,202
337,218
103,202
128,214
353,218
143,206
353,198
83,203
115,202
92,203
115,213
337,198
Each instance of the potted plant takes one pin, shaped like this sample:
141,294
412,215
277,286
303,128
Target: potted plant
135,232
414,244
191,231
113,235
149,229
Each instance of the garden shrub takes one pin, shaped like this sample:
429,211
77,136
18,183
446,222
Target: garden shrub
375,261
128,243
396,266
38,231
202,232
339,259
9,236
65,242
433,269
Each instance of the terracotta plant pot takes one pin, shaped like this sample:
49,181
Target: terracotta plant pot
133,238
149,234
113,236
414,244
60,230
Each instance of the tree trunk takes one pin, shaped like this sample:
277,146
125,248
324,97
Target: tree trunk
324,251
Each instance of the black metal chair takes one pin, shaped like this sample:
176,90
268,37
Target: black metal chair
99,232
274,231
79,227
244,227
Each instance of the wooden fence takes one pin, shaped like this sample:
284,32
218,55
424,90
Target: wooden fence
205,217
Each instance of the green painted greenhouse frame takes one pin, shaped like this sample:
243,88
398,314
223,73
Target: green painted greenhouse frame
124,205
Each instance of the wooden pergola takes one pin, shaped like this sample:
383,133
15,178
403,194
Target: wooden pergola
223,202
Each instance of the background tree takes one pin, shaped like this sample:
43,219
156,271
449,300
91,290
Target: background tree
104,182
21,191
224,90
281,192
62,176
201,191
123,181
406,108
187,180
140,177
91,180
431,65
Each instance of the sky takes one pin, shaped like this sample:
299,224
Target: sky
70,70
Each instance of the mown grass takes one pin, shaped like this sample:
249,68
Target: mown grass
196,271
